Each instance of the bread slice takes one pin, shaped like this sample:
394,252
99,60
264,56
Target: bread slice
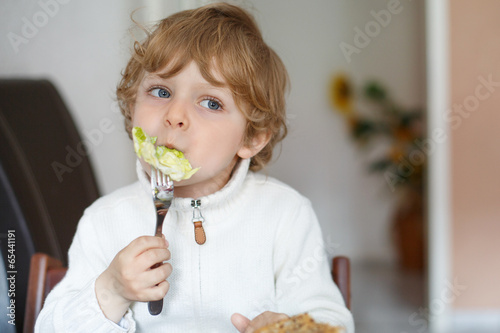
302,323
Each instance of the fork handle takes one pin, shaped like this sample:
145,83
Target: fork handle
160,217
155,307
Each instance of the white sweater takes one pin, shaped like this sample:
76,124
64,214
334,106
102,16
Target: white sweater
263,252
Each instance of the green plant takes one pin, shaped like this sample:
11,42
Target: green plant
374,119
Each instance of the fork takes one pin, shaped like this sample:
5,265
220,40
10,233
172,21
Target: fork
162,188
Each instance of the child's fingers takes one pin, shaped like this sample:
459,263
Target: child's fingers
143,243
159,291
240,322
141,287
154,276
132,267
154,284
158,274
264,319
142,253
165,238
151,257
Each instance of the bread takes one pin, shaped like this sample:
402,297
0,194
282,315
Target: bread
299,324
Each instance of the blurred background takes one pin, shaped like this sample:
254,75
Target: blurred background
391,114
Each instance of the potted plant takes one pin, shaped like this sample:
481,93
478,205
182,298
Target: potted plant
395,136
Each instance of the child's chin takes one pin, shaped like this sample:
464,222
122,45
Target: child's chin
184,182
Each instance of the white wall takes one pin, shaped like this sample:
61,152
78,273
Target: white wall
353,206
83,47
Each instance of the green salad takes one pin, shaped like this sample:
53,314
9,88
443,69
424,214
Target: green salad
169,161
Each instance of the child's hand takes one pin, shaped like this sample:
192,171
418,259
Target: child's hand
130,278
245,325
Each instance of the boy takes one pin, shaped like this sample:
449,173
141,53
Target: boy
205,83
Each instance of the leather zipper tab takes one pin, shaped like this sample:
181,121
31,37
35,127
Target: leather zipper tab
199,232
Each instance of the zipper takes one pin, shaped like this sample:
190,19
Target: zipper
199,232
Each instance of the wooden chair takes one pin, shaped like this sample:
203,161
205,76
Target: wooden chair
45,273
341,274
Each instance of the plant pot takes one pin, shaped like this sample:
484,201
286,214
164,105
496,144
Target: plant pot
409,230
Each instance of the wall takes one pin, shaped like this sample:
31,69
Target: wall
353,206
475,157
83,46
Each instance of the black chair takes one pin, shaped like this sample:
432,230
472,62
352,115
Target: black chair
46,180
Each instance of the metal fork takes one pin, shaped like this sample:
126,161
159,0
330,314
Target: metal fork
162,188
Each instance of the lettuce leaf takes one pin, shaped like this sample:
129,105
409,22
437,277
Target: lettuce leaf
169,161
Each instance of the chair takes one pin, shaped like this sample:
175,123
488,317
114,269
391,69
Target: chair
41,155
341,274
45,273
46,180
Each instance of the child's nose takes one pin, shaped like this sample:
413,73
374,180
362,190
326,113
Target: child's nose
176,115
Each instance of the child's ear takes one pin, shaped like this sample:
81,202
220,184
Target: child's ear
259,141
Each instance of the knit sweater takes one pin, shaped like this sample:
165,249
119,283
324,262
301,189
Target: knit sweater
263,252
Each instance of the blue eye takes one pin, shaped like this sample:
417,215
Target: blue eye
210,104
160,92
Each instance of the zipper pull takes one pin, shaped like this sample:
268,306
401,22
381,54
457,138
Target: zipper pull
199,232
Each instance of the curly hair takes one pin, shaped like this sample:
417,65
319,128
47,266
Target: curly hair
224,38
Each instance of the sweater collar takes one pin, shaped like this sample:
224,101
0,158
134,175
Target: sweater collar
223,196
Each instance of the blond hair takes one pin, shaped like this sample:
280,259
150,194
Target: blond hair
225,38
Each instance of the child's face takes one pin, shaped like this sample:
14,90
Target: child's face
187,113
